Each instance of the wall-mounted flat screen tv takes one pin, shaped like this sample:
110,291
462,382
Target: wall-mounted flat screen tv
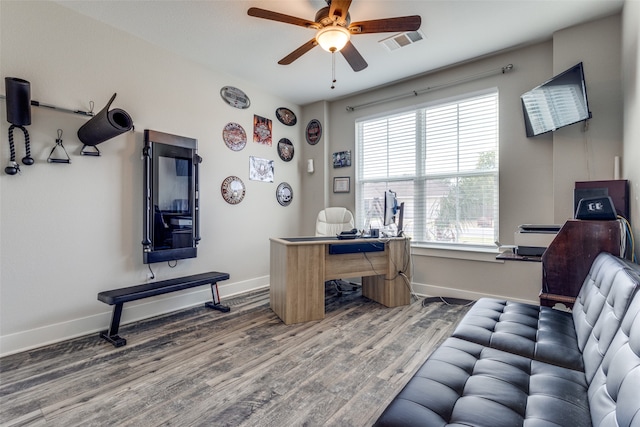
559,102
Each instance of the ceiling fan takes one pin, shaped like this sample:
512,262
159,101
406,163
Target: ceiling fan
334,29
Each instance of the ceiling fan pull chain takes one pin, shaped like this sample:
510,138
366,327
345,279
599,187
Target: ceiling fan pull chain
333,69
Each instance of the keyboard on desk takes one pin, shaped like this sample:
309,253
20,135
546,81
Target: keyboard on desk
356,247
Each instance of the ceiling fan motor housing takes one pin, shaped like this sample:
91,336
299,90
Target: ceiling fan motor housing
322,18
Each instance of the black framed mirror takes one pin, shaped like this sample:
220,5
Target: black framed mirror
171,212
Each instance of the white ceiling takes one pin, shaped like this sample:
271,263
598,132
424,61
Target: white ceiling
219,34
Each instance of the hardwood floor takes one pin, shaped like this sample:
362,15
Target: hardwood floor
200,367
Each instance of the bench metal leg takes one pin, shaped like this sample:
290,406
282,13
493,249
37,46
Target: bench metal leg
216,300
112,334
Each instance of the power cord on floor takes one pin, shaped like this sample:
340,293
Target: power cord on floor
443,300
407,282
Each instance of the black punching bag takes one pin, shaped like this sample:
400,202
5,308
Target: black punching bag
18,101
105,125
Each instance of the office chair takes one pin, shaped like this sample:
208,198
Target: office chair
330,222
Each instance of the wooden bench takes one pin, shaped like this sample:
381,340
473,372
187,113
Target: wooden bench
117,297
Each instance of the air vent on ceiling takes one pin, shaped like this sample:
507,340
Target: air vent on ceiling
401,40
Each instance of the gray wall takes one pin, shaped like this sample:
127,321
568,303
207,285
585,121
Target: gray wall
314,193
631,94
580,155
537,175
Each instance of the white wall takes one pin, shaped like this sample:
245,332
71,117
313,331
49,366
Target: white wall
631,94
71,231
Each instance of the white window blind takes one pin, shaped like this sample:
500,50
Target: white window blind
442,161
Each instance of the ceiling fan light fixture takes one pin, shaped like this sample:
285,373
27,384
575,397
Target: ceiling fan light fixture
333,38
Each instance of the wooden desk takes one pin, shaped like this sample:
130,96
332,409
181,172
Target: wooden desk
300,266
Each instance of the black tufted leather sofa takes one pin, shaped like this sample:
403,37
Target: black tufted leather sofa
511,364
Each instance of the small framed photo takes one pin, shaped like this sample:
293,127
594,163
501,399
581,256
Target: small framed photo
341,184
341,159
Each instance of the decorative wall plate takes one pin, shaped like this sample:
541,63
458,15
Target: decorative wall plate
235,97
285,149
233,190
234,136
313,132
284,194
286,116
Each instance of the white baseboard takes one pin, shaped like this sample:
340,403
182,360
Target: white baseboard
155,306
448,292
134,311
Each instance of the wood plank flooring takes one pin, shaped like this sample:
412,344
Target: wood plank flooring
200,367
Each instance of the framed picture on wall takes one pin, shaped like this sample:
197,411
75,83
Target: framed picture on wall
260,169
341,184
342,159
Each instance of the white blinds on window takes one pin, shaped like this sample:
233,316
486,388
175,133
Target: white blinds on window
442,161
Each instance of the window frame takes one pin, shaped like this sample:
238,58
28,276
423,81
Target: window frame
420,176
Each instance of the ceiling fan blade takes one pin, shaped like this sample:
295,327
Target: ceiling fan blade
353,57
389,25
298,52
280,17
339,9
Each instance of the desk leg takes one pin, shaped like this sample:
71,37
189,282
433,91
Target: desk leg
296,288
390,293
391,290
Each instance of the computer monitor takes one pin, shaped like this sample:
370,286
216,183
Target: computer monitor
391,208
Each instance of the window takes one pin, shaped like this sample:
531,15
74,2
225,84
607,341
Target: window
442,161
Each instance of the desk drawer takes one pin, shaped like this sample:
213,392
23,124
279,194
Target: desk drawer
356,264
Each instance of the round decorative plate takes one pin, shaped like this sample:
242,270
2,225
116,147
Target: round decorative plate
235,97
234,136
285,149
284,194
233,190
313,132
286,116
